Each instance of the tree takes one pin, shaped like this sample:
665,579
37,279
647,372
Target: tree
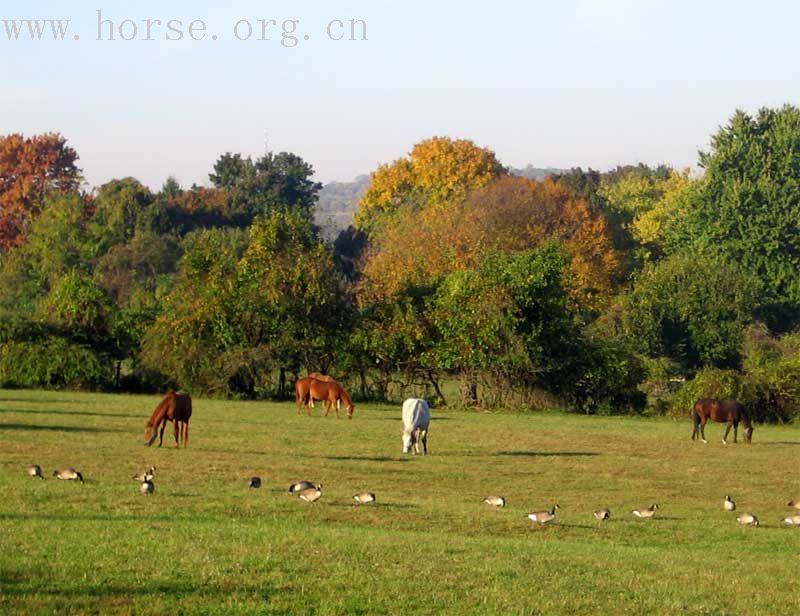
118,207
271,182
748,206
438,173
31,169
512,214
691,307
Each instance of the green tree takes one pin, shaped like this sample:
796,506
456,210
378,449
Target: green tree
748,206
691,307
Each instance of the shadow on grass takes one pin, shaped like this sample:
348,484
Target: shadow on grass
88,517
546,454
55,412
33,427
366,458
146,588
795,443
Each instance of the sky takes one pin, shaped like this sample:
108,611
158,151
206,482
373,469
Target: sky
556,83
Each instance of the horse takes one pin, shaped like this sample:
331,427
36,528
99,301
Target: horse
416,420
722,411
332,393
175,407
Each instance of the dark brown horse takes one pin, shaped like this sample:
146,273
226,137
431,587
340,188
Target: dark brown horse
175,407
330,392
722,411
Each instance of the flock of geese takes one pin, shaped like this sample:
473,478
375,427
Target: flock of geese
747,519
312,492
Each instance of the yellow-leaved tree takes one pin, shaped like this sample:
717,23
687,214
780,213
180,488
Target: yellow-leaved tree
438,173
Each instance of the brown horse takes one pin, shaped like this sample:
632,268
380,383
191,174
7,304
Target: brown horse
332,393
175,407
722,411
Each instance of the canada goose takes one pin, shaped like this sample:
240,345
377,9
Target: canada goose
35,471
303,485
646,513
147,475
364,498
748,519
794,503
310,494
543,517
729,504
495,501
602,514
147,487
68,474
255,482
792,520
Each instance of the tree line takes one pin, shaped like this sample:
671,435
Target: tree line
635,289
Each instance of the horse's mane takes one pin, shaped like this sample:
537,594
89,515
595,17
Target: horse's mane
162,409
344,395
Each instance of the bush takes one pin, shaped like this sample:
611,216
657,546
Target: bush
53,363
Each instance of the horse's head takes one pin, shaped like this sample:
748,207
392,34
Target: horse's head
150,434
409,438
350,408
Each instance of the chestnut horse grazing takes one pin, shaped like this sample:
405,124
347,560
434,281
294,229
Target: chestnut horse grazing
722,411
330,392
175,407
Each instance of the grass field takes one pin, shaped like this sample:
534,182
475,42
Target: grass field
204,543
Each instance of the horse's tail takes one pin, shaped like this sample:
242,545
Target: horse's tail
695,416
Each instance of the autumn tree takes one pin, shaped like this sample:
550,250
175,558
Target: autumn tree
512,214
31,169
438,173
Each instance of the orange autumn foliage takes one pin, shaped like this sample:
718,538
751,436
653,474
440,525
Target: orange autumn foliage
30,169
512,214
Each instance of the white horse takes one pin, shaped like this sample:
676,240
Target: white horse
416,419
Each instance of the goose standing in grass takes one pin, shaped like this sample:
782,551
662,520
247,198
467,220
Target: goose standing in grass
310,495
729,504
35,471
650,512
794,503
748,519
147,475
364,498
147,487
543,517
495,501
255,482
303,485
69,474
602,515
792,520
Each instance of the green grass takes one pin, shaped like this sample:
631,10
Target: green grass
204,543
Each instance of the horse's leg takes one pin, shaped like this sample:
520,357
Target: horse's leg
161,434
177,432
703,429
185,434
425,442
338,404
735,431
696,424
417,433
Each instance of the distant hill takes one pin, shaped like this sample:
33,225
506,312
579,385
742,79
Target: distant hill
338,201
537,173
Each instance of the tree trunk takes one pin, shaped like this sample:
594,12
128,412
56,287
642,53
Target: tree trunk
436,388
282,384
469,388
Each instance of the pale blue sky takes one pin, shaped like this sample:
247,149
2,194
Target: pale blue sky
557,83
